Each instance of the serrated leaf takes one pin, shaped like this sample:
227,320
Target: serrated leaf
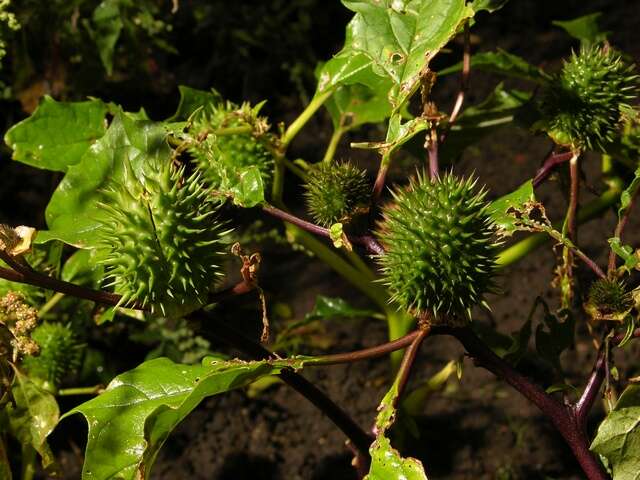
583,28
394,39
132,418
57,134
127,149
191,99
502,210
105,29
502,63
33,417
618,436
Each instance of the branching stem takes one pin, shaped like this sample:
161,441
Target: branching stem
622,223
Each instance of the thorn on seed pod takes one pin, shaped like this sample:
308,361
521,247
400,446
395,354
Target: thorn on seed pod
440,247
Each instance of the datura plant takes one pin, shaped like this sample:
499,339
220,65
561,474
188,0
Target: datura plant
129,301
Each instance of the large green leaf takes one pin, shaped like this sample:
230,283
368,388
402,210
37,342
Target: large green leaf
618,437
57,134
394,39
125,152
131,419
33,417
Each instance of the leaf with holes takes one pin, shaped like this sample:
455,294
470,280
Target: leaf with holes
505,209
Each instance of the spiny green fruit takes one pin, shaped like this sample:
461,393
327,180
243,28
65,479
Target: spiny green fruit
609,300
336,192
162,241
583,104
220,153
440,247
59,355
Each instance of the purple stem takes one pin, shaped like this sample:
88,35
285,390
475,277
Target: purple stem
366,241
563,417
549,164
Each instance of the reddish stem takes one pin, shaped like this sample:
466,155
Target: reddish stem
549,165
562,416
366,241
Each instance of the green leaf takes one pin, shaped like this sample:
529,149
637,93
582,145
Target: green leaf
502,63
489,5
395,39
33,417
502,209
132,418
387,464
191,99
618,436
354,105
83,268
332,307
625,252
105,29
125,152
245,186
57,134
584,28
627,195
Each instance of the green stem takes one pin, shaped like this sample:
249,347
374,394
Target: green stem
591,210
333,144
295,169
67,392
28,462
372,290
304,117
278,181
53,301
398,325
357,262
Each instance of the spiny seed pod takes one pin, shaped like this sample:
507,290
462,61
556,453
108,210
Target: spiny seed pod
440,247
609,300
228,139
582,105
59,356
162,241
336,192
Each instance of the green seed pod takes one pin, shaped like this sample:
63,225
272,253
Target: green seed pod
162,242
337,192
59,356
582,105
220,153
609,300
440,247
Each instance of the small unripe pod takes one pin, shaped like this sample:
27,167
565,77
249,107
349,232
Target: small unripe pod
336,192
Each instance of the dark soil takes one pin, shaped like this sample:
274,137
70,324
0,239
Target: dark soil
477,428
